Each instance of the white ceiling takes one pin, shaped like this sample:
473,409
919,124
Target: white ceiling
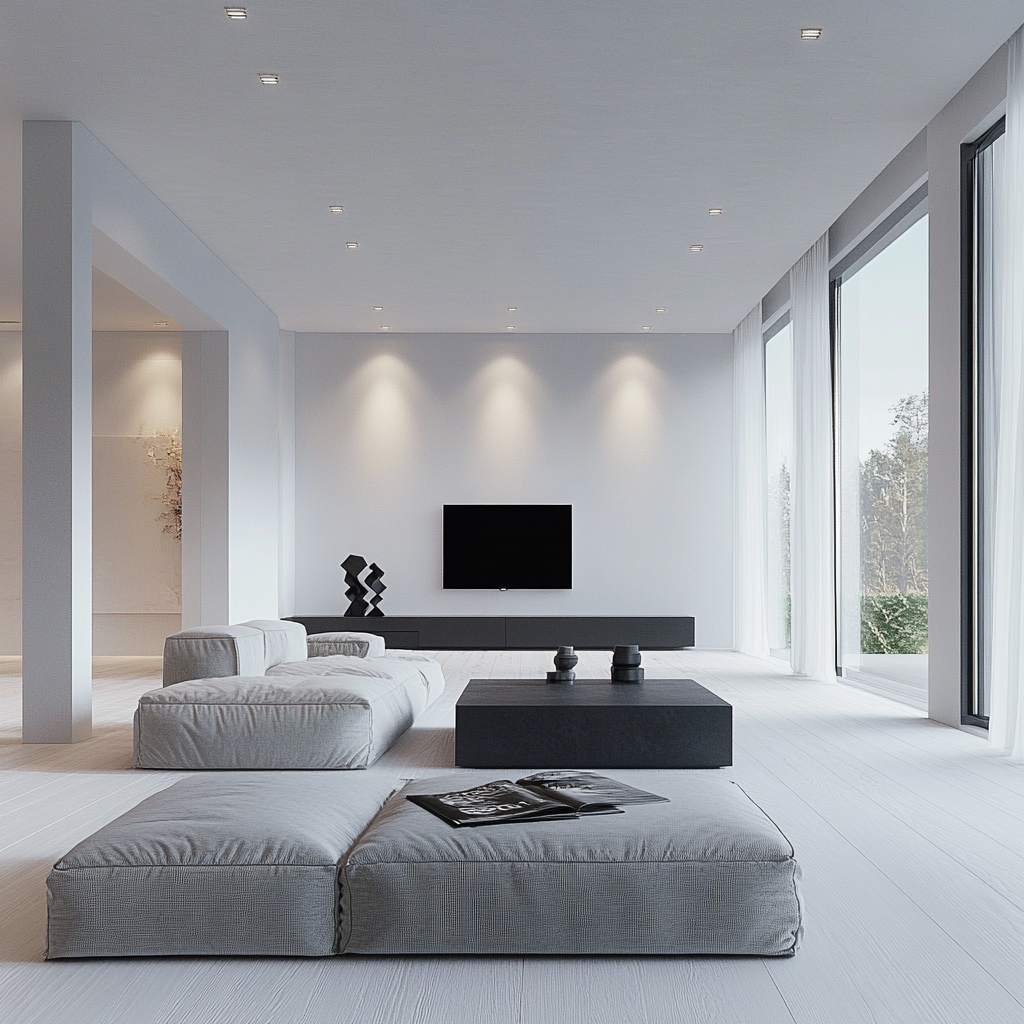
555,155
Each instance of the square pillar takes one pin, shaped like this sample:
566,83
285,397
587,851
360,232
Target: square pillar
57,433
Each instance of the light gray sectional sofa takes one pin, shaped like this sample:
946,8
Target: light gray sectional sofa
310,864
247,697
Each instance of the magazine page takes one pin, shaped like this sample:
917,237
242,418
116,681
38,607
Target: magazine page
588,791
493,804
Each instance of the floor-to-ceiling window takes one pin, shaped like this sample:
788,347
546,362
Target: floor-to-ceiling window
882,468
778,365
983,198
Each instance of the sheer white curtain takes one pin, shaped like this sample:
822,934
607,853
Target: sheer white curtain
1006,726
750,489
812,524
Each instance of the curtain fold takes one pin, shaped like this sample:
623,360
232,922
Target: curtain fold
812,522
750,489
1006,725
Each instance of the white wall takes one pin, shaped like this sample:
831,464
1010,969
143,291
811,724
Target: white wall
634,431
10,493
136,386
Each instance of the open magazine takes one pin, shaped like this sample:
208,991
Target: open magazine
564,794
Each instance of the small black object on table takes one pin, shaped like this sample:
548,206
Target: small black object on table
526,723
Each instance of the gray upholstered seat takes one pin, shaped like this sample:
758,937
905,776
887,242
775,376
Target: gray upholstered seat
214,866
272,722
358,645
708,872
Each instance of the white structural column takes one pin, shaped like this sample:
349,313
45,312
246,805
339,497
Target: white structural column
750,587
57,434
205,542
812,576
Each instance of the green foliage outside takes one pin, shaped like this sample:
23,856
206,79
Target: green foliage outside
894,623
894,536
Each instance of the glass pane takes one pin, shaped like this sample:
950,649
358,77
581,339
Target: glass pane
989,216
882,463
778,371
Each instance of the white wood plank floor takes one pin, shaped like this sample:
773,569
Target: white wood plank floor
910,836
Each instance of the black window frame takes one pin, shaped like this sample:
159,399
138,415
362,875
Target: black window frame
970,535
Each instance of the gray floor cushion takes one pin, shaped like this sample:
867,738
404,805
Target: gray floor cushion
356,645
214,651
271,722
421,674
708,872
214,865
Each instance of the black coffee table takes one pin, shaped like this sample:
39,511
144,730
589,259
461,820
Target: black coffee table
593,723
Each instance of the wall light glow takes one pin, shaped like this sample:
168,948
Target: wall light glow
384,435
632,392
506,436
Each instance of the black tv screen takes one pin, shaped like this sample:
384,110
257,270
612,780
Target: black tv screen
507,547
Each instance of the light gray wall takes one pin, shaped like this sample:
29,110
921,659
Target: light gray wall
136,564
10,493
972,110
634,431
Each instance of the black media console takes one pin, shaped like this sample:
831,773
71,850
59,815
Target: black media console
514,633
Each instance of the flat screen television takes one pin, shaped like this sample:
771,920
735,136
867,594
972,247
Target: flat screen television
507,547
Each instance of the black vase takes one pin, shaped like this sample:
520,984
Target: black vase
565,662
626,664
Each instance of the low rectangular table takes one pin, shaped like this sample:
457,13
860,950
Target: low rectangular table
592,723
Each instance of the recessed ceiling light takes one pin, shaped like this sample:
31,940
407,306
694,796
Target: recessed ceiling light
645,328
161,323
715,211
512,309
810,33
385,327
268,79
696,248
378,309
236,13
511,327
660,309
336,209
351,245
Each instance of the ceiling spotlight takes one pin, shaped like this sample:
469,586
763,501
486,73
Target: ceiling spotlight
660,309
645,328
336,209
267,79
810,33
715,211
351,245
385,327
696,248
161,323
510,327
378,309
236,13
512,309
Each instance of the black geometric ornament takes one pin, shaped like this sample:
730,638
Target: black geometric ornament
355,591
373,580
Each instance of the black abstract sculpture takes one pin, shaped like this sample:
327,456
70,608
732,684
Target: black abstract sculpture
626,664
374,582
565,662
355,591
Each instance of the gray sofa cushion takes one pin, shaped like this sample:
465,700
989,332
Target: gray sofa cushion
270,722
214,651
282,641
357,645
708,872
219,865
421,675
